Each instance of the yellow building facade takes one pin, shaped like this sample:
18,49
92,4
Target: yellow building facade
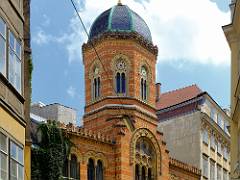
232,32
14,89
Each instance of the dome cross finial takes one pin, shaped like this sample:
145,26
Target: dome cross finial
119,2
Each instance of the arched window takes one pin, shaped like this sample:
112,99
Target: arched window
120,76
96,84
144,83
71,168
143,173
65,168
145,160
99,170
137,173
91,170
121,83
74,167
149,174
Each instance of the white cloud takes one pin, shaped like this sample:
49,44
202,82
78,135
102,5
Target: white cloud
41,37
71,91
46,20
188,30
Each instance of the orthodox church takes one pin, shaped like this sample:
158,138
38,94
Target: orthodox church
119,137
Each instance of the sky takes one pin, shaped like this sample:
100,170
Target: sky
188,33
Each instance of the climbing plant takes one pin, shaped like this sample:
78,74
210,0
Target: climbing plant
30,68
49,153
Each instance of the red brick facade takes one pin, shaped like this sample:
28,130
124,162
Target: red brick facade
125,117
120,129
114,123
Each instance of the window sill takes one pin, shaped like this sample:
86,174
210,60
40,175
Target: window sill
213,149
205,143
12,88
205,177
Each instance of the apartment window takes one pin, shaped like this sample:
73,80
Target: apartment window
205,136
219,148
205,166
3,157
219,173
213,142
226,124
14,71
16,162
212,114
11,159
2,47
220,121
225,153
225,175
212,170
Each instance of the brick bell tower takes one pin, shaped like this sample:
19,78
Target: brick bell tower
120,90
121,81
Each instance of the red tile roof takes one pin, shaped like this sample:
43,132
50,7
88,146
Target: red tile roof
177,96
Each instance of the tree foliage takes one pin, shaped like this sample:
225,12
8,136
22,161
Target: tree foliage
49,153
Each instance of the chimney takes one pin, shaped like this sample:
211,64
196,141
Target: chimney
158,91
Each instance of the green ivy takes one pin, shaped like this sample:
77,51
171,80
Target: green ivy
49,153
30,66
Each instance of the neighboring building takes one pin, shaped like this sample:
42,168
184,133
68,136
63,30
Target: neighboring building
195,128
14,89
119,139
55,112
232,32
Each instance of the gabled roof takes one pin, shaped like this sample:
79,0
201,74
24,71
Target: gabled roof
178,96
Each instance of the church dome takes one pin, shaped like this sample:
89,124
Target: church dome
121,19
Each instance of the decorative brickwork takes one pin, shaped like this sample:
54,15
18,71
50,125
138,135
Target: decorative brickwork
120,129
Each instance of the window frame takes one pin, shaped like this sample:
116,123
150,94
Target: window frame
213,142
17,58
95,83
205,137
6,153
219,172
219,148
205,162
120,65
13,74
212,173
4,37
144,84
10,140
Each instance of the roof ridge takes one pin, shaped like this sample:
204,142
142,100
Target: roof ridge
179,89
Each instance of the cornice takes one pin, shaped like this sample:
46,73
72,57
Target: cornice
122,36
84,133
184,166
121,99
123,106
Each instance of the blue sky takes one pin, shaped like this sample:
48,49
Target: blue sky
192,47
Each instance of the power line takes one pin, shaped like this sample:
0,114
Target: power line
85,29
